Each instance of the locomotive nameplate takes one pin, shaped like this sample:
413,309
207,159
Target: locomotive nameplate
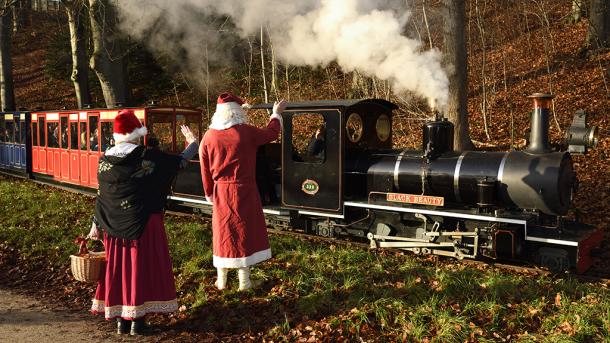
310,187
415,199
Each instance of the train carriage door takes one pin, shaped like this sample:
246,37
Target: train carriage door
16,158
94,147
64,153
42,137
25,138
2,139
73,142
35,147
52,132
83,148
189,180
312,161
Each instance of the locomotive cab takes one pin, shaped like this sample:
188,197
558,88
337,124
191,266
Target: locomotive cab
327,145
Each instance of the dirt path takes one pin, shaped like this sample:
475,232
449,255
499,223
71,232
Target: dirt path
25,319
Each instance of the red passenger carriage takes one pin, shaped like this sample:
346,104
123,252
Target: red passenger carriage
67,144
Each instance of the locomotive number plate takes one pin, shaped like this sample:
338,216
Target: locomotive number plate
415,199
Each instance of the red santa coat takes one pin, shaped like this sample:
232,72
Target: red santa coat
228,170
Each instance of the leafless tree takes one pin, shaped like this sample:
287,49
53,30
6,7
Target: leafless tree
7,92
78,43
109,51
456,60
599,24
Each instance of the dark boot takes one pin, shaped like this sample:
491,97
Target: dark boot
139,327
122,326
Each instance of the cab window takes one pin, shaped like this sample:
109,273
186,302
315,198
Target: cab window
192,122
160,131
308,138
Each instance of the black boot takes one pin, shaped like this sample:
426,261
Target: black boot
139,327
122,326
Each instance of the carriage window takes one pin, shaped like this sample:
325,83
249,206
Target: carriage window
93,136
74,136
22,131
2,130
192,122
53,135
64,132
83,136
106,138
17,131
160,131
34,133
41,131
10,131
308,138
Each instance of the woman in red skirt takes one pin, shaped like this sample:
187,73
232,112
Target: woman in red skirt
133,186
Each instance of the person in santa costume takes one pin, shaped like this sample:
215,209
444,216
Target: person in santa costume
133,186
228,164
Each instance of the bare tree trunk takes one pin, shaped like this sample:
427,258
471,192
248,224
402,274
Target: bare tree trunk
578,9
599,24
80,67
108,58
455,58
7,94
263,65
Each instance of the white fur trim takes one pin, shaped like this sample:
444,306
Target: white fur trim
227,115
130,137
121,150
246,106
240,262
133,312
278,117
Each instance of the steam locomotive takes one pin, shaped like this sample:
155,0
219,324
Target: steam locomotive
462,204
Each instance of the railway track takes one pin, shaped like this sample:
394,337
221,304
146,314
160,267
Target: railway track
593,276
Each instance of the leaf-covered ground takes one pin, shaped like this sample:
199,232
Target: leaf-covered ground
311,292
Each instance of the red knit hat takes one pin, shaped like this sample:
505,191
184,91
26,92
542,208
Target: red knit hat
127,127
229,97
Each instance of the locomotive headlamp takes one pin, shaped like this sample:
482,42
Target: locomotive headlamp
579,137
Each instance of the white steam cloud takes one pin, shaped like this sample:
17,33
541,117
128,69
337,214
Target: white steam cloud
363,35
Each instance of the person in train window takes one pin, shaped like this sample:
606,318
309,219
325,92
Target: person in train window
83,140
228,157
93,141
317,145
107,140
133,186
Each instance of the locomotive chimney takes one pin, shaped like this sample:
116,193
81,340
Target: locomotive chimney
539,131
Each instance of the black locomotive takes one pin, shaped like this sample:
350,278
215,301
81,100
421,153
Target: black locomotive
463,204
335,173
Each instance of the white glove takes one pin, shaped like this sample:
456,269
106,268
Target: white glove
279,106
207,198
94,233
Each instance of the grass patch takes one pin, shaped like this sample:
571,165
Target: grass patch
330,292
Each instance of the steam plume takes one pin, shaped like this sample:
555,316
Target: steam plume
363,35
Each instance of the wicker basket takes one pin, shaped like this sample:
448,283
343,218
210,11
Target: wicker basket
87,266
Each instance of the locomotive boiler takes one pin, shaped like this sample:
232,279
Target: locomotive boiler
537,179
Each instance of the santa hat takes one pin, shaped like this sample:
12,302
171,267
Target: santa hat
230,111
127,127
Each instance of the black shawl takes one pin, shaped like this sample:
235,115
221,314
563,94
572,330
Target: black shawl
131,187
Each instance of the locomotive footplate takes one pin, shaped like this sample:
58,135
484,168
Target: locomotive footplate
571,249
